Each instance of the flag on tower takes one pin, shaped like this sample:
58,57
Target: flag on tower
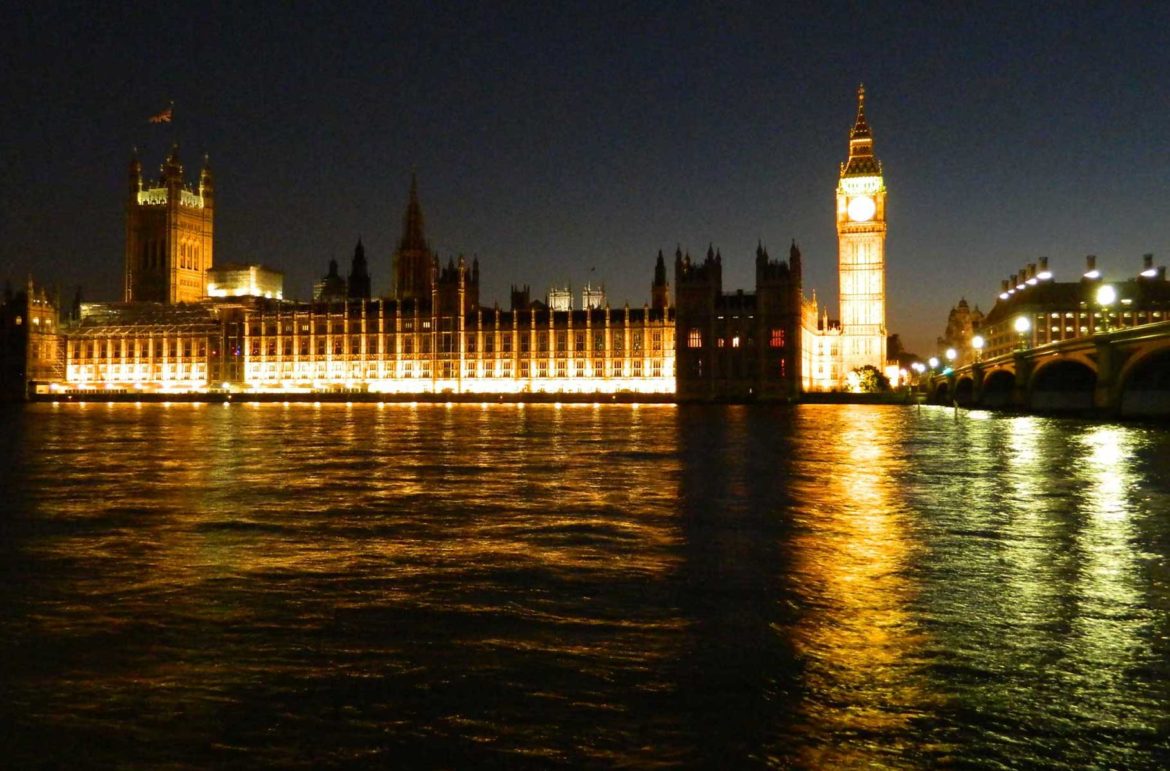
165,116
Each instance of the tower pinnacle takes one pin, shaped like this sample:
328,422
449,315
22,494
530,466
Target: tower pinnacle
862,161
860,127
412,223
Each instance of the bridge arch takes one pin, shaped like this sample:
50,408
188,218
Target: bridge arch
1144,383
1063,384
941,392
965,390
998,387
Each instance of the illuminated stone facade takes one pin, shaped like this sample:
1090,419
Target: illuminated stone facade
374,346
440,342
238,280
169,235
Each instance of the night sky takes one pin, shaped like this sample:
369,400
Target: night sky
570,142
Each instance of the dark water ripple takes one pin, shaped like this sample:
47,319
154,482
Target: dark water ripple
306,586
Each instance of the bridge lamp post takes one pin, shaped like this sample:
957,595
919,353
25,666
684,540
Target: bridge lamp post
977,343
1022,326
1106,296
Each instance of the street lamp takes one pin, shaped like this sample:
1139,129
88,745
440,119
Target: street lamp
933,362
977,343
1106,296
1022,326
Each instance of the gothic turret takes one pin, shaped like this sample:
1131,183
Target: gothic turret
331,286
135,176
206,184
660,290
172,170
413,260
358,285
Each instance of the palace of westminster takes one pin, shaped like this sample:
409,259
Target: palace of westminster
189,324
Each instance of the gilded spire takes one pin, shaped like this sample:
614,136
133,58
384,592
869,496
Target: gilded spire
860,127
862,161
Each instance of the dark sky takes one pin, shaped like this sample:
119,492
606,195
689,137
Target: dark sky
569,142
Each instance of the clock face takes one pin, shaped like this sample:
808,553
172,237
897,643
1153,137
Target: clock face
862,208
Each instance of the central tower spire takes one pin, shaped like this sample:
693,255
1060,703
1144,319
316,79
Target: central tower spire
413,258
862,161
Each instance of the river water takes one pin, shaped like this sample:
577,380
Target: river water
508,585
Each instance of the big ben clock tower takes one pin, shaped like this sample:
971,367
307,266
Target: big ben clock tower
861,250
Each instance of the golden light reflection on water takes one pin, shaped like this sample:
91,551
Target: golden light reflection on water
592,584
1110,635
856,635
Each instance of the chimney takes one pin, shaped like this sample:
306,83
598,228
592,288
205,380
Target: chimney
1091,271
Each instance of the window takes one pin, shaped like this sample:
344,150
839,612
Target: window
777,340
694,339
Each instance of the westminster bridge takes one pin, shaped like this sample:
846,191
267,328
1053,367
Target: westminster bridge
1122,373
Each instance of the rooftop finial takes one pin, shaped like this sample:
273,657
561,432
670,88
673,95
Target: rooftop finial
860,127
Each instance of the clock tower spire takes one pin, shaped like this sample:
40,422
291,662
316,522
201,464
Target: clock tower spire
861,249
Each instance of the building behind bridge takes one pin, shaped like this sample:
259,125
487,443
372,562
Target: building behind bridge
1034,309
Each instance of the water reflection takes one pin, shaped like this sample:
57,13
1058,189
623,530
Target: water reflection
856,637
461,585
